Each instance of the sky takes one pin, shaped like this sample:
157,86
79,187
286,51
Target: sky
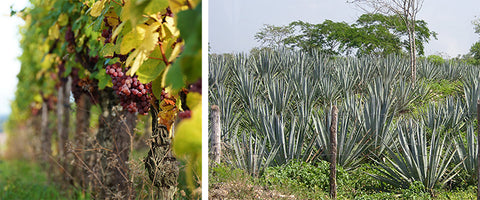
233,23
9,51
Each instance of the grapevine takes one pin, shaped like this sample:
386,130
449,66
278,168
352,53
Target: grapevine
134,95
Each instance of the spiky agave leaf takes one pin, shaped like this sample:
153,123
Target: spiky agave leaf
415,159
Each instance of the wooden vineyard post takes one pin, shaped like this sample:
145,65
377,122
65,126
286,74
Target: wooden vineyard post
333,153
478,148
215,139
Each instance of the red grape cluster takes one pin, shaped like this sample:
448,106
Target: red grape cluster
134,96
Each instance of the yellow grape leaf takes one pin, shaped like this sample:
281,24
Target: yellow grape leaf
117,31
176,51
107,50
62,19
147,38
155,6
54,31
97,8
166,113
188,135
125,14
178,5
151,37
194,99
169,28
112,18
140,57
129,42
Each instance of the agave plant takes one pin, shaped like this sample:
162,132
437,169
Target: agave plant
448,116
467,153
352,144
404,95
219,68
471,88
428,70
229,114
416,159
252,154
377,116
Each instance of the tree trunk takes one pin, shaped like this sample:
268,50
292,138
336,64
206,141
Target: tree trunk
333,153
63,120
46,140
216,135
81,134
160,163
114,137
413,54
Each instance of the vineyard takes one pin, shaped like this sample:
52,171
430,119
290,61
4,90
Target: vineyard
393,140
108,103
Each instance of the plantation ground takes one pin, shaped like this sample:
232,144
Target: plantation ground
394,141
21,179
229,183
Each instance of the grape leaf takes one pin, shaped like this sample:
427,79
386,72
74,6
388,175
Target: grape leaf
103,79
133,11
157,87
63,19
97,8
194,99
190,26
107,50
188,134
156,6
187,142
173,77
54,31
151,68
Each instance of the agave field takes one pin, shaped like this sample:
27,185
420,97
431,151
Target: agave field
275,109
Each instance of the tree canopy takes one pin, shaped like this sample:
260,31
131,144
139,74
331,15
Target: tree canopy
373,34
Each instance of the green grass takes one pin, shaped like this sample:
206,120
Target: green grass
26,180
443,88
306,181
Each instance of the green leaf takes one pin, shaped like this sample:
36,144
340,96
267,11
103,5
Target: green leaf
152,68
190,26
129,42
188,135
157,87
103,79
156,6
107,50
174,77
133,11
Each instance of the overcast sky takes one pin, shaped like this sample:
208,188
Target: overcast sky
9,51
233,23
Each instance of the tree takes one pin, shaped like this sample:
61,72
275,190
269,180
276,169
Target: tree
407,10
371,34
272,36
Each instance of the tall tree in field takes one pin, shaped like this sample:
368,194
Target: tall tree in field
272,36
407,10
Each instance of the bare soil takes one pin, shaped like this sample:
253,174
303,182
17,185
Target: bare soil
243,191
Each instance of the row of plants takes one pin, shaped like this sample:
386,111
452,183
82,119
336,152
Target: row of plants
275,105
119,60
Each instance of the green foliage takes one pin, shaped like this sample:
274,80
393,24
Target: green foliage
375,34
435,59
272,36
25,180
302,174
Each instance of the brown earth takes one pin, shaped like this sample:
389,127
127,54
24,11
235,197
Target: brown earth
243,191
